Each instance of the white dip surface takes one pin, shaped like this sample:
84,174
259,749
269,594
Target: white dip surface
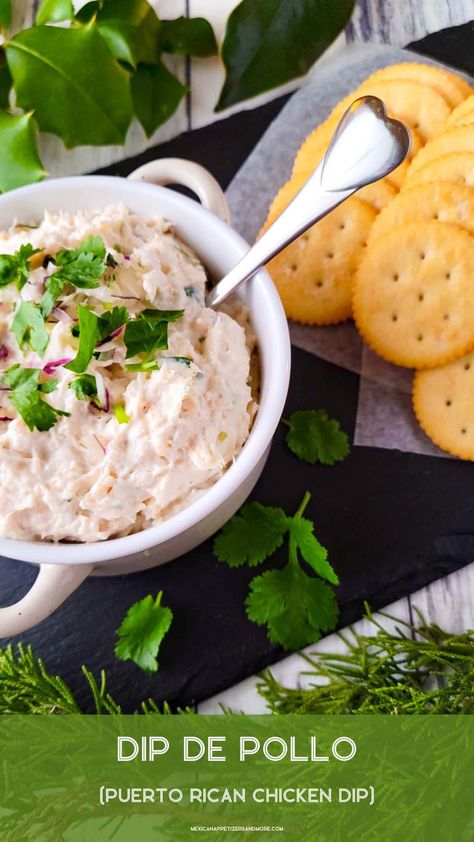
90,477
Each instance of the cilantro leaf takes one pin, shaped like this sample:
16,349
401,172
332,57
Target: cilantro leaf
85,388
314,437
83,267
14,268
111,320
251,536
26,397
28,326
142,631
93,329
312,551
53,289
149,331
295,607
89,336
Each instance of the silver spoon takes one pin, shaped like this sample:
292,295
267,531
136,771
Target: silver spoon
366,146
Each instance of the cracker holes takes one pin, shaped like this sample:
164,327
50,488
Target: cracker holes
330,255
422,255
446,317
448,402
421,296
394,317
419,337
395,276
319,284
294,267
342,226
467,366
463,430
447,276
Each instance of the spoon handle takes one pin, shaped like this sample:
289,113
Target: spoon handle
366,146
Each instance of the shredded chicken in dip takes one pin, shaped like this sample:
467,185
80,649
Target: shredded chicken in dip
123,398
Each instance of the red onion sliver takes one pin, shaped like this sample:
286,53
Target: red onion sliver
4,352
49,367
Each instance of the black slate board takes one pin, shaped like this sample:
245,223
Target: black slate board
393,521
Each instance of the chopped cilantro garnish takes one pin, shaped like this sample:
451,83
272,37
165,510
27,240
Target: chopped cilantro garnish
294,605
28,326
85,388
93,329
142,631
84,267
26,397
14,268
89,336
149,331
148,365
314,437
120,414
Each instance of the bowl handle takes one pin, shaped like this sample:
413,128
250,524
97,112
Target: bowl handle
193,176
53,584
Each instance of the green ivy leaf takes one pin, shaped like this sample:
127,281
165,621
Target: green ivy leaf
188,36
55,11
156,94
19,159
270,42
5,82
5,12
130,29
72,82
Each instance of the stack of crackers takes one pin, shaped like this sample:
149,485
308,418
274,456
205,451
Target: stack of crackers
398,256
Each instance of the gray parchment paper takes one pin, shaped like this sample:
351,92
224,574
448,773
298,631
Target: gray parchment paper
385,417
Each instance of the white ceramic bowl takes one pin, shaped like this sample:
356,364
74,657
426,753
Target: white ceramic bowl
64,566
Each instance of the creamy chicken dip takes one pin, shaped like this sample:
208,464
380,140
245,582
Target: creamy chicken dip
123,398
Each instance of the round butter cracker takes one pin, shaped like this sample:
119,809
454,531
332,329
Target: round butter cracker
457,167
438,200
443,400
456,139
413,294
314,274
451,87
463,113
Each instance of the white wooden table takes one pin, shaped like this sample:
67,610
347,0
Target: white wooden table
449,601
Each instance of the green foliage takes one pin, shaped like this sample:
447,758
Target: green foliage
5,12
188,36
142,631
85,81
418,669
54,11
72,82
156,94
270,42
314,437
19,159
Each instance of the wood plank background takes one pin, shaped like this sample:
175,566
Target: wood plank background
449,601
